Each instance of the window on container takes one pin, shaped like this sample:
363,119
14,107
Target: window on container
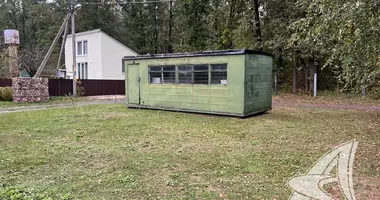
200,74
185,74
155,74
168,74
219,74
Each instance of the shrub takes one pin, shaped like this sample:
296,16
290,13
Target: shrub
80,88
374,93
6,94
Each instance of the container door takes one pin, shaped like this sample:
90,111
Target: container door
133,84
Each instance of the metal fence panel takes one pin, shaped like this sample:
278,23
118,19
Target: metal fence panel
63,87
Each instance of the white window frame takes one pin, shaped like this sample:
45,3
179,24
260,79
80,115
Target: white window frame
82,70
84,48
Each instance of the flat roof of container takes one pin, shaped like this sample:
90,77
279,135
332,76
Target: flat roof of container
197,54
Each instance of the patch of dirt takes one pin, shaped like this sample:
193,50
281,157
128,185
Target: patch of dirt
195,178
367,188
340,99
214,188
107,97
318,102
334,191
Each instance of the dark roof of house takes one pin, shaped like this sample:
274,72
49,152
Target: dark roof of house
197,54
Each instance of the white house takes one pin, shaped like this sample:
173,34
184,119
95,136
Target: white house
98,56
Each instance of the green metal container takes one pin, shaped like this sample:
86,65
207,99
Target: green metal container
229,82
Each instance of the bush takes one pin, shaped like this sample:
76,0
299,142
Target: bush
374,93
80,89
6,93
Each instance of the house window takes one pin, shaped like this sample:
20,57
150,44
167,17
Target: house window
82,48
85,47
82,70
219,74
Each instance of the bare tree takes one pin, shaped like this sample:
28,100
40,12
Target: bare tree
31,58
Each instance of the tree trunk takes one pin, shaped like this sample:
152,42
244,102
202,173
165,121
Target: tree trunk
306,71
312,71
155,34
256,24
142,39
279,67
295,75
230,23
280,60
170,46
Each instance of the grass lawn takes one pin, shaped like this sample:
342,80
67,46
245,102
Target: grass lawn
111,152
52,100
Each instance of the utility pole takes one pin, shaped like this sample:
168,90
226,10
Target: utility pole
63,44
50,51
72,10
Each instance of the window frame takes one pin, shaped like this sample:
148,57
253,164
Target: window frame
82,70
150,71
192,71
208,74
162,74
161,71
218,70
84,50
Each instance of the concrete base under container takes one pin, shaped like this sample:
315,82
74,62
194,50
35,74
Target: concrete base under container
200,111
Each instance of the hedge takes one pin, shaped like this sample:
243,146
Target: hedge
6,93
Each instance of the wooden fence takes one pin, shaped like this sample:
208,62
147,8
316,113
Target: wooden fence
62,87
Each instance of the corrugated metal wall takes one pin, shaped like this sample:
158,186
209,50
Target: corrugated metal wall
62,87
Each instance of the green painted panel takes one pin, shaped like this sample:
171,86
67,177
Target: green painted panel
133,84
258,83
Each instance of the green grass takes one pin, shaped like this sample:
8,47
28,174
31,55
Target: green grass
111,152
52,100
